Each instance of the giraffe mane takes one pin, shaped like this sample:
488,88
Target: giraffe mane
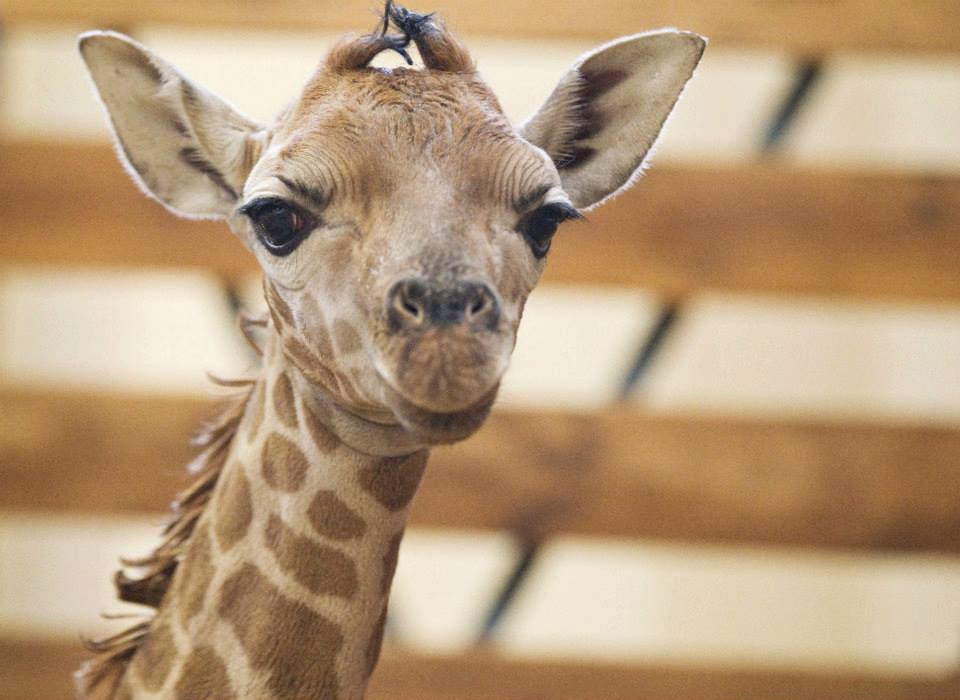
113,654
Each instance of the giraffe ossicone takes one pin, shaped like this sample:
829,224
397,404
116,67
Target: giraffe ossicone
401,222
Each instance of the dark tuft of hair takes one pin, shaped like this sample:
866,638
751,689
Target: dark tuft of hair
438,48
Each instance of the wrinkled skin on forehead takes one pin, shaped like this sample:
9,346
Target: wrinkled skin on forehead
412,173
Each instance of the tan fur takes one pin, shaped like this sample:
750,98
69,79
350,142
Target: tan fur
390,559
376,641
284,403
196,572
323,437
154,660
234,518
203,677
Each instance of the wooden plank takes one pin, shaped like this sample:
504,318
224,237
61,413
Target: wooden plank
478,676
803,26
617,473
753,228
40,670
63,204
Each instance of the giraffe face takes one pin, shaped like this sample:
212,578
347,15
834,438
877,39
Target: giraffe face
401,223
400,220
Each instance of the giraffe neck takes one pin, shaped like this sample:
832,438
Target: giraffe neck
283,588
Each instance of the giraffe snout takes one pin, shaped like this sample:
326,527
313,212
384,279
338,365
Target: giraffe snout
421,303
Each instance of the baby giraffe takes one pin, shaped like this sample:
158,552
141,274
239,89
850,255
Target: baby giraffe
400,221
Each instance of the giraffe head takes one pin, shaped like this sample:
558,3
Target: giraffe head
400,220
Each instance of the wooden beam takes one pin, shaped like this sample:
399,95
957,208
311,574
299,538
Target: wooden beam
476,676
40,670
74,205
753,228
801,26
618,473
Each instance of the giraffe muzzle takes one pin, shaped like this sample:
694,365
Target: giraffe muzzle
445,346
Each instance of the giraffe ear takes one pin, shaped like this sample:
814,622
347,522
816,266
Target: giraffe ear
601,120
183,145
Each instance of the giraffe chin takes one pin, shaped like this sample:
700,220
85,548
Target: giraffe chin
439,428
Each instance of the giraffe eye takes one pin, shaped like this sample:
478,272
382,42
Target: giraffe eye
279,225
539,226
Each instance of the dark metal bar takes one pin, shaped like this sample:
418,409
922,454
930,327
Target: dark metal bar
650,347
511,586
805,78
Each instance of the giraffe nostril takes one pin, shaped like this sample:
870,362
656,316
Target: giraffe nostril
483,307
415,311
405,304
408,307
479,304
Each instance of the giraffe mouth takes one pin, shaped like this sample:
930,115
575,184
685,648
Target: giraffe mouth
444,370
439,427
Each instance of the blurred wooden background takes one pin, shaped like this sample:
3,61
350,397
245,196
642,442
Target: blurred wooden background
865,486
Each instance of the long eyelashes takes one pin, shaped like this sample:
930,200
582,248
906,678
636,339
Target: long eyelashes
539,226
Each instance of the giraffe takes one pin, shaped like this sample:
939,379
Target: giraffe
400,221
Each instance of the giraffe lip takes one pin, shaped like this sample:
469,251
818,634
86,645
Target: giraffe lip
437,427
443,371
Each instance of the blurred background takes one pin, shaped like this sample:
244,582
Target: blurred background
726,459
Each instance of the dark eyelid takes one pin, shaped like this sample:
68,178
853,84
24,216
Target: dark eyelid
252,207
562,211
523,203
310,194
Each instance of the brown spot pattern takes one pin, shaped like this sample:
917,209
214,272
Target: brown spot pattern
394,480
308,363
321,341
235,511
204,676
155,657
195,574
278,305
283,464
390,558
322,436
332,518
346,337
286,639
376,642
316,330
283,401
318,568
